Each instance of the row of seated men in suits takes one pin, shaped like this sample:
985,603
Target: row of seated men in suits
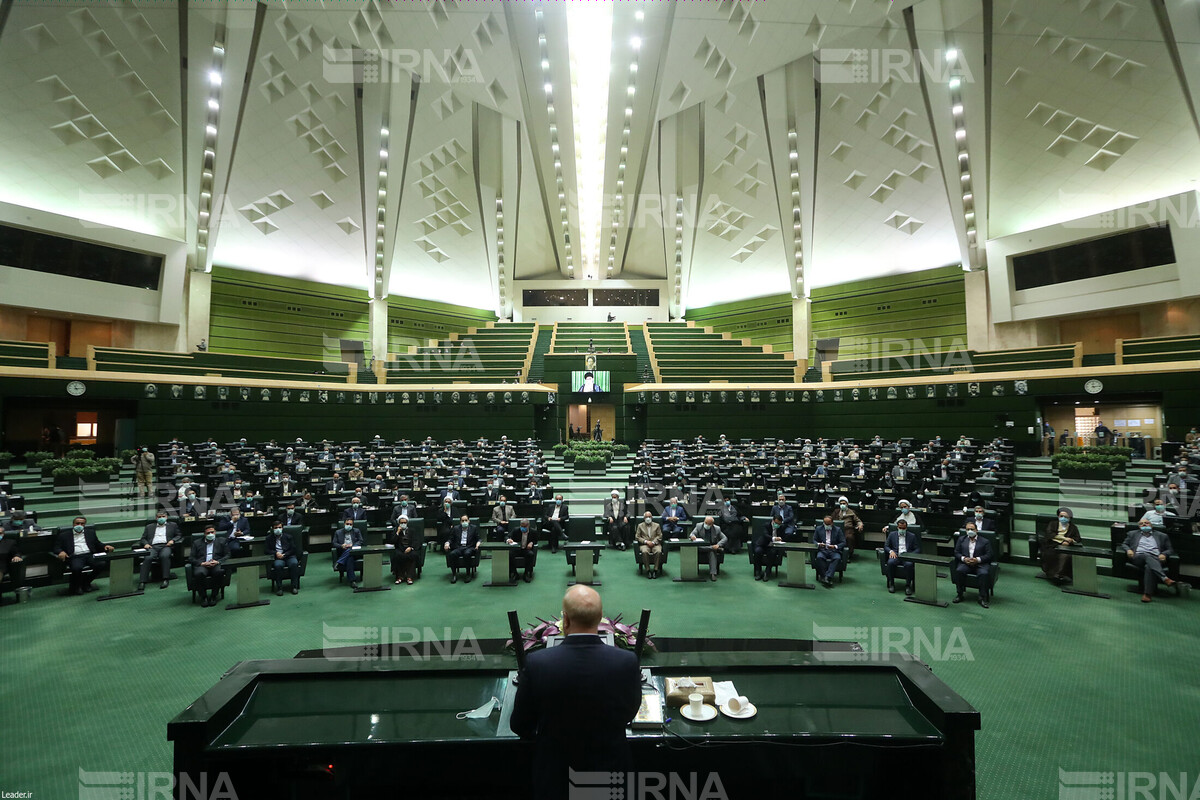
380,467
687,470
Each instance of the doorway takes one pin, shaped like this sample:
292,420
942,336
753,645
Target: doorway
582,419
1134,422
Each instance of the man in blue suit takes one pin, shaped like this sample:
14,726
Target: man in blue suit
972,556
830,540
345,539
575,700
784,511
673,518
900,541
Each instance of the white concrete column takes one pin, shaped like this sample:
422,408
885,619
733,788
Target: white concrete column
801,331
199,303
979,324
379,328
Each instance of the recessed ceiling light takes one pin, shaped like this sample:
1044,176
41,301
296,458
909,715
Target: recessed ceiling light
214,77
636,42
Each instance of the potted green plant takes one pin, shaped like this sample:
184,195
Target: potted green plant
34,458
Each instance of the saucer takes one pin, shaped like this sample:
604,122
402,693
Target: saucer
748,711
707,712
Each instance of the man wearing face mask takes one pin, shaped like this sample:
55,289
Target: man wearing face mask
714,544
852,526
403,507
460,549
1056,566
503,515
972,556
673,518
345,539
76,547
784,511
556,514
830,540
356,512
760,547
899,542
982,522
290,516
1158,514
192,505
158,540
526,538
616,520
404,557
733,524
1149,550
208,555
287,558
649,541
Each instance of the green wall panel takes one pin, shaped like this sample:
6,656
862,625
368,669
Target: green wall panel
929,305
414,322
762,320
258,314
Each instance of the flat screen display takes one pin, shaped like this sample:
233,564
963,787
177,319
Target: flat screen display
589,381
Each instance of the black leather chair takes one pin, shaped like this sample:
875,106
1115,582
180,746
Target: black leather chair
807,535
14,578
361,526
1124,568
881,553
582,529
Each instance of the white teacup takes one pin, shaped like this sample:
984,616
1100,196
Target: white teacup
696,703
737,705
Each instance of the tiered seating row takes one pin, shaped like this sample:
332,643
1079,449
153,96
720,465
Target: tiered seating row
908,365
1156,349
578,337
226,365
682,353
39,355
494,354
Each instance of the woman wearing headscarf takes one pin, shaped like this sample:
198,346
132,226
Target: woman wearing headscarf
1056,566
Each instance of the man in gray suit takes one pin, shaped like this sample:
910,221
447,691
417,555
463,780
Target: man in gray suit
1149,549
157,540
714,541
616,520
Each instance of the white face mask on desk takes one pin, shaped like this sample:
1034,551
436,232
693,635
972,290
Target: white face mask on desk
483,712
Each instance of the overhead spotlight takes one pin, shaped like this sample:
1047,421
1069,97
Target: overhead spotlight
211,130
955,83
214,77
631,90
636,43
545,63
956,109
548,87
383,131
960,134
951,55
213,105
639,16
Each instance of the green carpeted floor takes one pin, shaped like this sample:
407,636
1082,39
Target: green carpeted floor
1061,681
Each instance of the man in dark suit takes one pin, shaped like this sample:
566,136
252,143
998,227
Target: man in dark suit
10,554
356,511
1149,549
460,547
555,522
760,547
784,511
335,484
733,525
345,539
158,540
287,558
982,523
575,700
193,506
900,541
291,516
404,507
525,536
830,540
972,556
616,520
208,557
77,546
